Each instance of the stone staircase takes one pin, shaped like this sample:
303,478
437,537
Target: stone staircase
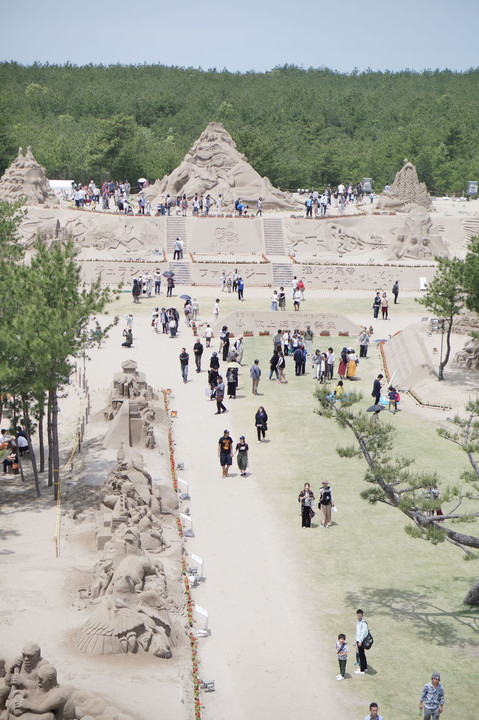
273,236
182,272
282,275
175,227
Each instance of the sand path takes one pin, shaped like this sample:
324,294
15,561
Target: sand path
262,654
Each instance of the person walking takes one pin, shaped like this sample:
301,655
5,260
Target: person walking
376,393
220,394
208,335
306,498
225,452
177,249
232,382
326,504
432,697
281,368
184,360
170,284
240,288
376,305
362,631
224,342
255,374
241,453
198,352
273,365
395,291
261,423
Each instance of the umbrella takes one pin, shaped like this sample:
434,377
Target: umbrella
376,408
168,273
141,180
185,297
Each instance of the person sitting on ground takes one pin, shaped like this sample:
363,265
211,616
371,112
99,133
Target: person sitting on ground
11,460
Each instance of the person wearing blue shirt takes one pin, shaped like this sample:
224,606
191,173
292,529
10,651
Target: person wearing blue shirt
432,697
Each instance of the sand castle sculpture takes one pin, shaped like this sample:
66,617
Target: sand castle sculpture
468,357
405,191
214,166
129,593
26,179
130,408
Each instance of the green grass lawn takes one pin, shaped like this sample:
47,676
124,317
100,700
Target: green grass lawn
410,590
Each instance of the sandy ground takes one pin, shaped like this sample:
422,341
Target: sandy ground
262,653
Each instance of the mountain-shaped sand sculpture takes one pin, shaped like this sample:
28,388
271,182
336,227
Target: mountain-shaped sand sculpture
25,178
214,166
405,191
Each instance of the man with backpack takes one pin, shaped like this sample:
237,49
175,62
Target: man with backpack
362,632
326,503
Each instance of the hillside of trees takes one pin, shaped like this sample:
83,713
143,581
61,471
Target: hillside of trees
301,128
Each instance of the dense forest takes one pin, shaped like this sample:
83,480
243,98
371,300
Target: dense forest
301,128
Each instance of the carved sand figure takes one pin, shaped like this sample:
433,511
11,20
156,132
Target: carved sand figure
214,166
22,672
418,238
47,701
405,191
26,179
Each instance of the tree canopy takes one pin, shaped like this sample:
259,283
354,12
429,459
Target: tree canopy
300,127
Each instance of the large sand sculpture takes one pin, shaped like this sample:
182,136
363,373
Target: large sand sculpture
26,179
405,191
213,165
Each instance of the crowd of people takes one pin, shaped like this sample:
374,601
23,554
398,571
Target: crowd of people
318,203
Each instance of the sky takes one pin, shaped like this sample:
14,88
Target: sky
244,35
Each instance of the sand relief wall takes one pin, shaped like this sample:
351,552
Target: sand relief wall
240,321
225,237
409,237
362,277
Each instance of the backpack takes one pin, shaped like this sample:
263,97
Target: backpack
368,641
326,497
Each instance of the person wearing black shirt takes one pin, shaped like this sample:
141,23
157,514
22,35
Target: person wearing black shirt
184,360
198,351
242,455
376,393
225,452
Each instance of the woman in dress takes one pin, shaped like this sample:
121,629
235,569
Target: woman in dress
241,453
351,374
306,498
261,422
343,363
282,299
232,381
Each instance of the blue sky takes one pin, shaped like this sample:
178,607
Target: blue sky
244,35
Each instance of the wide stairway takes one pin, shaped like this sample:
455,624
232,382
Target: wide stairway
273,236
282,275
182,272
175,227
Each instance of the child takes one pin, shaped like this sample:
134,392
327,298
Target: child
216,309
342,653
